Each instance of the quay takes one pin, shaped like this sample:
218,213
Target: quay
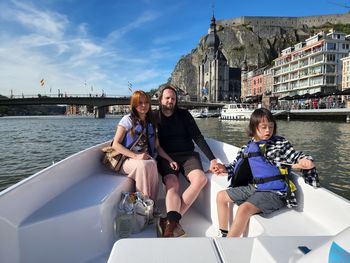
314,114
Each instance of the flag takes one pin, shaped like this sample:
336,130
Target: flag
130,86
42,82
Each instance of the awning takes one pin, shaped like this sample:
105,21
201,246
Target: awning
345,92
285,98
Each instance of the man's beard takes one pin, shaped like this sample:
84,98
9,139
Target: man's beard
169,107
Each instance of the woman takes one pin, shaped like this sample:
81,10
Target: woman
141,165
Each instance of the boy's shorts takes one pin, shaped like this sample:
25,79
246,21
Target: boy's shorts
188,161
266,201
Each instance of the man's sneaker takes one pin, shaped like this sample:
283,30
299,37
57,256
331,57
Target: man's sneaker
161,223
178,231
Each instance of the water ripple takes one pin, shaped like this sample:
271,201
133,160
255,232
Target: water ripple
29,144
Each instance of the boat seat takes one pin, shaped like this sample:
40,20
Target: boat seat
170,250
80,196
93,201
289,222
205,249
267,248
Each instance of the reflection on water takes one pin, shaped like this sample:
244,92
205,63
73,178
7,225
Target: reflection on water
32,143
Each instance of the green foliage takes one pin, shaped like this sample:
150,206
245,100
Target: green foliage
151,92
345,28
248,26
220,28
239,48
3,110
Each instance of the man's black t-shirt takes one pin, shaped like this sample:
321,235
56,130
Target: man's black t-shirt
177,131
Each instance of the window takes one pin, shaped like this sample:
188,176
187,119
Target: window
330,68
330,57
331,46
330,79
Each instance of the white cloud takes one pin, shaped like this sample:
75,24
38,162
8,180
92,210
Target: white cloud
140,21
37,43
41,21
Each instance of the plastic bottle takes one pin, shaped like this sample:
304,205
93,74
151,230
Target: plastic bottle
125,216
139,220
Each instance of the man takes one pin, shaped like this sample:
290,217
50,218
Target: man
176,131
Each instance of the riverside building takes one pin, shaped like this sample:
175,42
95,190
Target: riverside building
217,81
311,66
257,85
346,73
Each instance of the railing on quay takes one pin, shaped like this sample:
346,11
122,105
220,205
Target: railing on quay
296,106
32,96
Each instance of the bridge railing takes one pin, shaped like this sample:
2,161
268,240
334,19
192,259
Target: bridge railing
30,96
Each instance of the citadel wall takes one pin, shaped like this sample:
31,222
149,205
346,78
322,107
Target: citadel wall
292,22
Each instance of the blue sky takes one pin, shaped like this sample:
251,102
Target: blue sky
79,47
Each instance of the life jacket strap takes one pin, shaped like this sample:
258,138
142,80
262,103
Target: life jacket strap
250,154
259,180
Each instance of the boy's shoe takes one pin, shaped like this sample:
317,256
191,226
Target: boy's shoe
220,234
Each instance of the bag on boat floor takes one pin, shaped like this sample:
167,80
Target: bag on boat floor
139,211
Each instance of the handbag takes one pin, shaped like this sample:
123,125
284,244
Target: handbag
113,158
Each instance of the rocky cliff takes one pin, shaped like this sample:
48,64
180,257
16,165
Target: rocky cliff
258,46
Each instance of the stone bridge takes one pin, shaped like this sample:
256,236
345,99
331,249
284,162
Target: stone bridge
99,103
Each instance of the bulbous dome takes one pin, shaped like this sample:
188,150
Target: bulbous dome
212,40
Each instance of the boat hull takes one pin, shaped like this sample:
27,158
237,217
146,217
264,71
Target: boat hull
237,111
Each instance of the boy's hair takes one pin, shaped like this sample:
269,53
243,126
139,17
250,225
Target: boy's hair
257,116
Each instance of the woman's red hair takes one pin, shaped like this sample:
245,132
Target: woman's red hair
134,102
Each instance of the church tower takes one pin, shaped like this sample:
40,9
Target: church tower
213,79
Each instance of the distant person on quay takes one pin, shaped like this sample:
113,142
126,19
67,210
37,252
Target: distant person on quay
259,182
177,130
141,165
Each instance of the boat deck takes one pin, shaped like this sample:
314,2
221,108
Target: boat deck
72,208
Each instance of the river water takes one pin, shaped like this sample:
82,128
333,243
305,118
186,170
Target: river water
29,144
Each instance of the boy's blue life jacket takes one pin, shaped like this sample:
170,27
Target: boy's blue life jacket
149,132
253,168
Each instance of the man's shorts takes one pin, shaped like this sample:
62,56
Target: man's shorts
188,161
266,201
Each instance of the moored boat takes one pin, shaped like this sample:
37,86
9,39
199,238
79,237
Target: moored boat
197,113
237,111
66,213
204,113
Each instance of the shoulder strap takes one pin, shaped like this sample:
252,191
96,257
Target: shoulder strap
135,142
132,145
148,144
251,154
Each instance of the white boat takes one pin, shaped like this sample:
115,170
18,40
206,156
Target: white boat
197,113
204,113
66,213
237,111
